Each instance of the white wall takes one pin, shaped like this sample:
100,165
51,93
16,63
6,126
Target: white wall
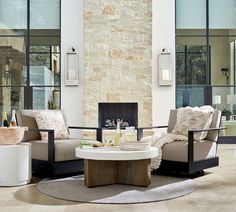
163,35
72,35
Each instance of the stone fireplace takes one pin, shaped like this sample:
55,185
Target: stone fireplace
127,112
118,57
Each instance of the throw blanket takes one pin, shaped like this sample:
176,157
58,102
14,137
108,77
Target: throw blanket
187,118
160,140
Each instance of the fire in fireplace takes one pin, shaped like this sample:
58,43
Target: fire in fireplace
109,113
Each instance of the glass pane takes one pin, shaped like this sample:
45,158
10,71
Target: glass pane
45,61
189,96
224,99
41,75
11,98
46,98
45,41
38,49
223,60
222,14
13,17
191,41
45,32
191,61
40,59
192,32
220,100
222,32
45,14
190,14
12,61
44,69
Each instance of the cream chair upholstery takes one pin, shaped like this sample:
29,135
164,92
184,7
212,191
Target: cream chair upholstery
190,156
52,157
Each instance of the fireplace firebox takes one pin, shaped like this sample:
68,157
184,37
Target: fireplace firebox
109,113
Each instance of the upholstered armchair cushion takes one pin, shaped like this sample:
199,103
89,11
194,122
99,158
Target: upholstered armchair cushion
211,135
64,149
26,118
178,150
51,120
184,154
52,157
193,118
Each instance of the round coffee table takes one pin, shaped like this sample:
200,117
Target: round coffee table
110,165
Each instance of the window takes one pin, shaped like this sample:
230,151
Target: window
205,53
191,65
30,54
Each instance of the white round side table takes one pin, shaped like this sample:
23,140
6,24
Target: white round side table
15,164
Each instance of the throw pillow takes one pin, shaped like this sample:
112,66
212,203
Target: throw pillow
51,120
193,118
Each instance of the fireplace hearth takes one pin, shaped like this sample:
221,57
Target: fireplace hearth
109,113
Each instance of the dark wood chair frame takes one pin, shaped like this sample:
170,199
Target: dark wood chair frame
191,166
54,168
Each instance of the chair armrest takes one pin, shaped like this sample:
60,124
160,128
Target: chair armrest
98,131
209,129
140,130
147,128
51,147
191,139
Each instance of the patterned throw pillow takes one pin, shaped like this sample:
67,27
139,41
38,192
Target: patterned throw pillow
193,118
51,120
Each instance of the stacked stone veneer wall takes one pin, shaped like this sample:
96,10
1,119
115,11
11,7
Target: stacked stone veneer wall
118,56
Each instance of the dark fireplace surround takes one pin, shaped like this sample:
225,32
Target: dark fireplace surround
128,111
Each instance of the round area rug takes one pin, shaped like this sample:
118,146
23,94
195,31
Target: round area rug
73,189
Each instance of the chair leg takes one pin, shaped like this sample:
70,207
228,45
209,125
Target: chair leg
201,172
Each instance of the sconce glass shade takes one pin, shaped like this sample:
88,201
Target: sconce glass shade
72,68
231,99
165,75
216,100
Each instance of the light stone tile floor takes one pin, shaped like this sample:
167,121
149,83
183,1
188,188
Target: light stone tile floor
216,191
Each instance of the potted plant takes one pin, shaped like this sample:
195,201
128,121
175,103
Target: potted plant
227,113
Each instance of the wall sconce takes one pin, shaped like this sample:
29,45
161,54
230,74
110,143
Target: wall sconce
225,72
72,67
165,75
216,101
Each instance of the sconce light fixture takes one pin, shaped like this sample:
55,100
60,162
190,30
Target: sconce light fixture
72,67
225,72
216,101
165,75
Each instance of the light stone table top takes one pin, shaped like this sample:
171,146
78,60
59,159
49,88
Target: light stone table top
114,153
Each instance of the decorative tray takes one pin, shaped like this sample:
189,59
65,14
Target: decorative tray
135,145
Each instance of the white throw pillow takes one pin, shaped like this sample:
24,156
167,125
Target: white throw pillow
51,119
193,118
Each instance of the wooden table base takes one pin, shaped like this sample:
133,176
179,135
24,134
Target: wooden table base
101,172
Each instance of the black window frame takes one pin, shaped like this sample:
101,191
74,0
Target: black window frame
28,89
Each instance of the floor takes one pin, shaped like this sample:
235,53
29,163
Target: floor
216,191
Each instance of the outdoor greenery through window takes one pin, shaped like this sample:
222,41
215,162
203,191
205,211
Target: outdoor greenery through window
190,65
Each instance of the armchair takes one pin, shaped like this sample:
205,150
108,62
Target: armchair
189,156
52,157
